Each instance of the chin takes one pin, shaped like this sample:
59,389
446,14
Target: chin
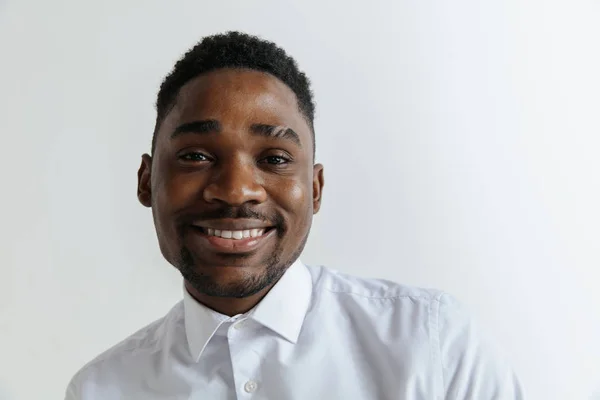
230,275
228,281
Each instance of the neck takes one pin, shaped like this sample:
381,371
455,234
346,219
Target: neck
229,306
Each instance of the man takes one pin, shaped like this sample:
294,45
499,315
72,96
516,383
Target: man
233,186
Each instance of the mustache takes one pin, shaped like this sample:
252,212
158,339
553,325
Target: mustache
244,211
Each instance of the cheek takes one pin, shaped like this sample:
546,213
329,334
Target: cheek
295,198
297,194
171,194
176,191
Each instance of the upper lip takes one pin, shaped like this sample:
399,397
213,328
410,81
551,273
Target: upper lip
232,224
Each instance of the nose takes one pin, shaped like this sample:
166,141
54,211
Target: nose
234,184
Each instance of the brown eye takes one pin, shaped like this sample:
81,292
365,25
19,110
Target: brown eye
193,156
276,160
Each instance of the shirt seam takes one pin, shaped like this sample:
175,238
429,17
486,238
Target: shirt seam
401,296
120,353
436,346
128,346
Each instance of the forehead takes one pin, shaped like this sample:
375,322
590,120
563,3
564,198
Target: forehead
238,98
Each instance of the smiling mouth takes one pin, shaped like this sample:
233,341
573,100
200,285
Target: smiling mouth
234,234
245,239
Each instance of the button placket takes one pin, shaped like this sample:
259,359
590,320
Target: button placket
245,361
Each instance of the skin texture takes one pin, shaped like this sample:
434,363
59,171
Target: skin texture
228,171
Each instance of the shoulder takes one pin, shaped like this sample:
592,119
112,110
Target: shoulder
377,300
117,359
441,309
343,285
433,324
381,301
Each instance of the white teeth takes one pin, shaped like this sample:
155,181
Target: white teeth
237,235
256,232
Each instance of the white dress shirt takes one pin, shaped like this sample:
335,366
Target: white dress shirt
318,334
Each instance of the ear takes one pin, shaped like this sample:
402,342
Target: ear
318,182
144,191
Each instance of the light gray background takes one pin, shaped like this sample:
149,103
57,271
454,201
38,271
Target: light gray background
460,143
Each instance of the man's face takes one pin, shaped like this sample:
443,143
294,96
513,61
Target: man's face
232,183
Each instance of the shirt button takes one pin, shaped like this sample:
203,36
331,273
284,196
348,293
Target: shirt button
250,386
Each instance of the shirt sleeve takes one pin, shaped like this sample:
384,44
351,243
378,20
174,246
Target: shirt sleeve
471,368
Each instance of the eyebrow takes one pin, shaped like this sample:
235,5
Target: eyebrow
276,132
205,126
213,126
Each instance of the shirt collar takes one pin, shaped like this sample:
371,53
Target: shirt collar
201,323
282,310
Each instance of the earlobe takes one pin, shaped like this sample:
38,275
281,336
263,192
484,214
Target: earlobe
318,183
144,191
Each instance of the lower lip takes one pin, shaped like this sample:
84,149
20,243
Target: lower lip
222,245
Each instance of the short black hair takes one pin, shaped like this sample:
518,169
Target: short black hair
235,50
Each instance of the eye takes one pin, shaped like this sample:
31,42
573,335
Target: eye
276,160
193,156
